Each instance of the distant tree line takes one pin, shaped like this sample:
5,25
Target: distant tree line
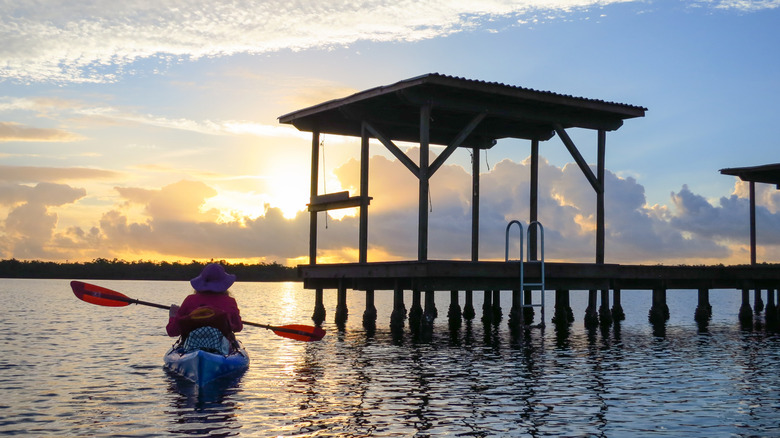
104,269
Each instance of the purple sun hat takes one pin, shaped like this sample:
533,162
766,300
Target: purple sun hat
213,278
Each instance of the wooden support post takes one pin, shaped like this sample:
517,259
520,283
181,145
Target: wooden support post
497,314
591,314
424,184
617,308
703,311
516,311
315,166
534,201
454,314
341,305
605,314
487,306
745,312
369,315
659,311
399,309
474,207
564,315
600,230
319,308
752,223
468,309
363,232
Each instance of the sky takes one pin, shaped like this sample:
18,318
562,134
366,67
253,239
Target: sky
143,130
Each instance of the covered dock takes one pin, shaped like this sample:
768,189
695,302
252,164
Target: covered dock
462,113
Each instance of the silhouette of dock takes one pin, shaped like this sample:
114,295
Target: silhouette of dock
462,113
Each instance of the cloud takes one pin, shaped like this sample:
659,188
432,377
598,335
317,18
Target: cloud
10,131
30,225
30,174
101,41
174,222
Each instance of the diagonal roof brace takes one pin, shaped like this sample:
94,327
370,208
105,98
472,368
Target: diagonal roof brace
455,143
597,186
395,150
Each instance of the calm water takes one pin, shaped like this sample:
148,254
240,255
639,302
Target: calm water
73,369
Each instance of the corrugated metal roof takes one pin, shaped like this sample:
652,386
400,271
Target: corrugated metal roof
510,111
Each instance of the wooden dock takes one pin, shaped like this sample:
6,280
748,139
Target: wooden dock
446,275
461,113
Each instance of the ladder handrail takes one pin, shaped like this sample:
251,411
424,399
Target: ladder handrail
541,284
506,251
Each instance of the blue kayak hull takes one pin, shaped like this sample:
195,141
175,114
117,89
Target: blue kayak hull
202,367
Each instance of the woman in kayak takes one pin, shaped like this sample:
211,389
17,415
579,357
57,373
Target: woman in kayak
210,306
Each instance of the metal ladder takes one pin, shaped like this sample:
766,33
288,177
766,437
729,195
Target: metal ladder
523,284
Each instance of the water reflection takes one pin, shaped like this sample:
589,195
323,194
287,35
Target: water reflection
209,410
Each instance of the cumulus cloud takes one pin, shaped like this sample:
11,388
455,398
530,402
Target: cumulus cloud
30,225
174,222
100,41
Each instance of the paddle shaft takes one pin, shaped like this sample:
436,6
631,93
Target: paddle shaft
126,299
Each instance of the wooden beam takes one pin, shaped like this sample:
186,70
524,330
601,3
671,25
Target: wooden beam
577,157
402,157
455,143
537,114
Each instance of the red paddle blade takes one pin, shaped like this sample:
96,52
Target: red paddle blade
99,295
299,332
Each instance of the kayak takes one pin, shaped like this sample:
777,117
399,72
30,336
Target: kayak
202,367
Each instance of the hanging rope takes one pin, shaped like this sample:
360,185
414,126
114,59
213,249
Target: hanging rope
324,180
486,161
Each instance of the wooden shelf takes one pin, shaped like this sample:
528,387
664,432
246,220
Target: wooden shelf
334,201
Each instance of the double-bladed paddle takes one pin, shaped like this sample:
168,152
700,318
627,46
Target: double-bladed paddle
102,296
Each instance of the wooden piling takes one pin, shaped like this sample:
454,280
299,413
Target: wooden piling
399,309
659,311
758,303
528,311
454,314
341,305
416,312
617,308
468,307
563,313
771,308
497,313
516,311
430,305
745,312
605,314
319,307
703,308
369,315
591,315
487,306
